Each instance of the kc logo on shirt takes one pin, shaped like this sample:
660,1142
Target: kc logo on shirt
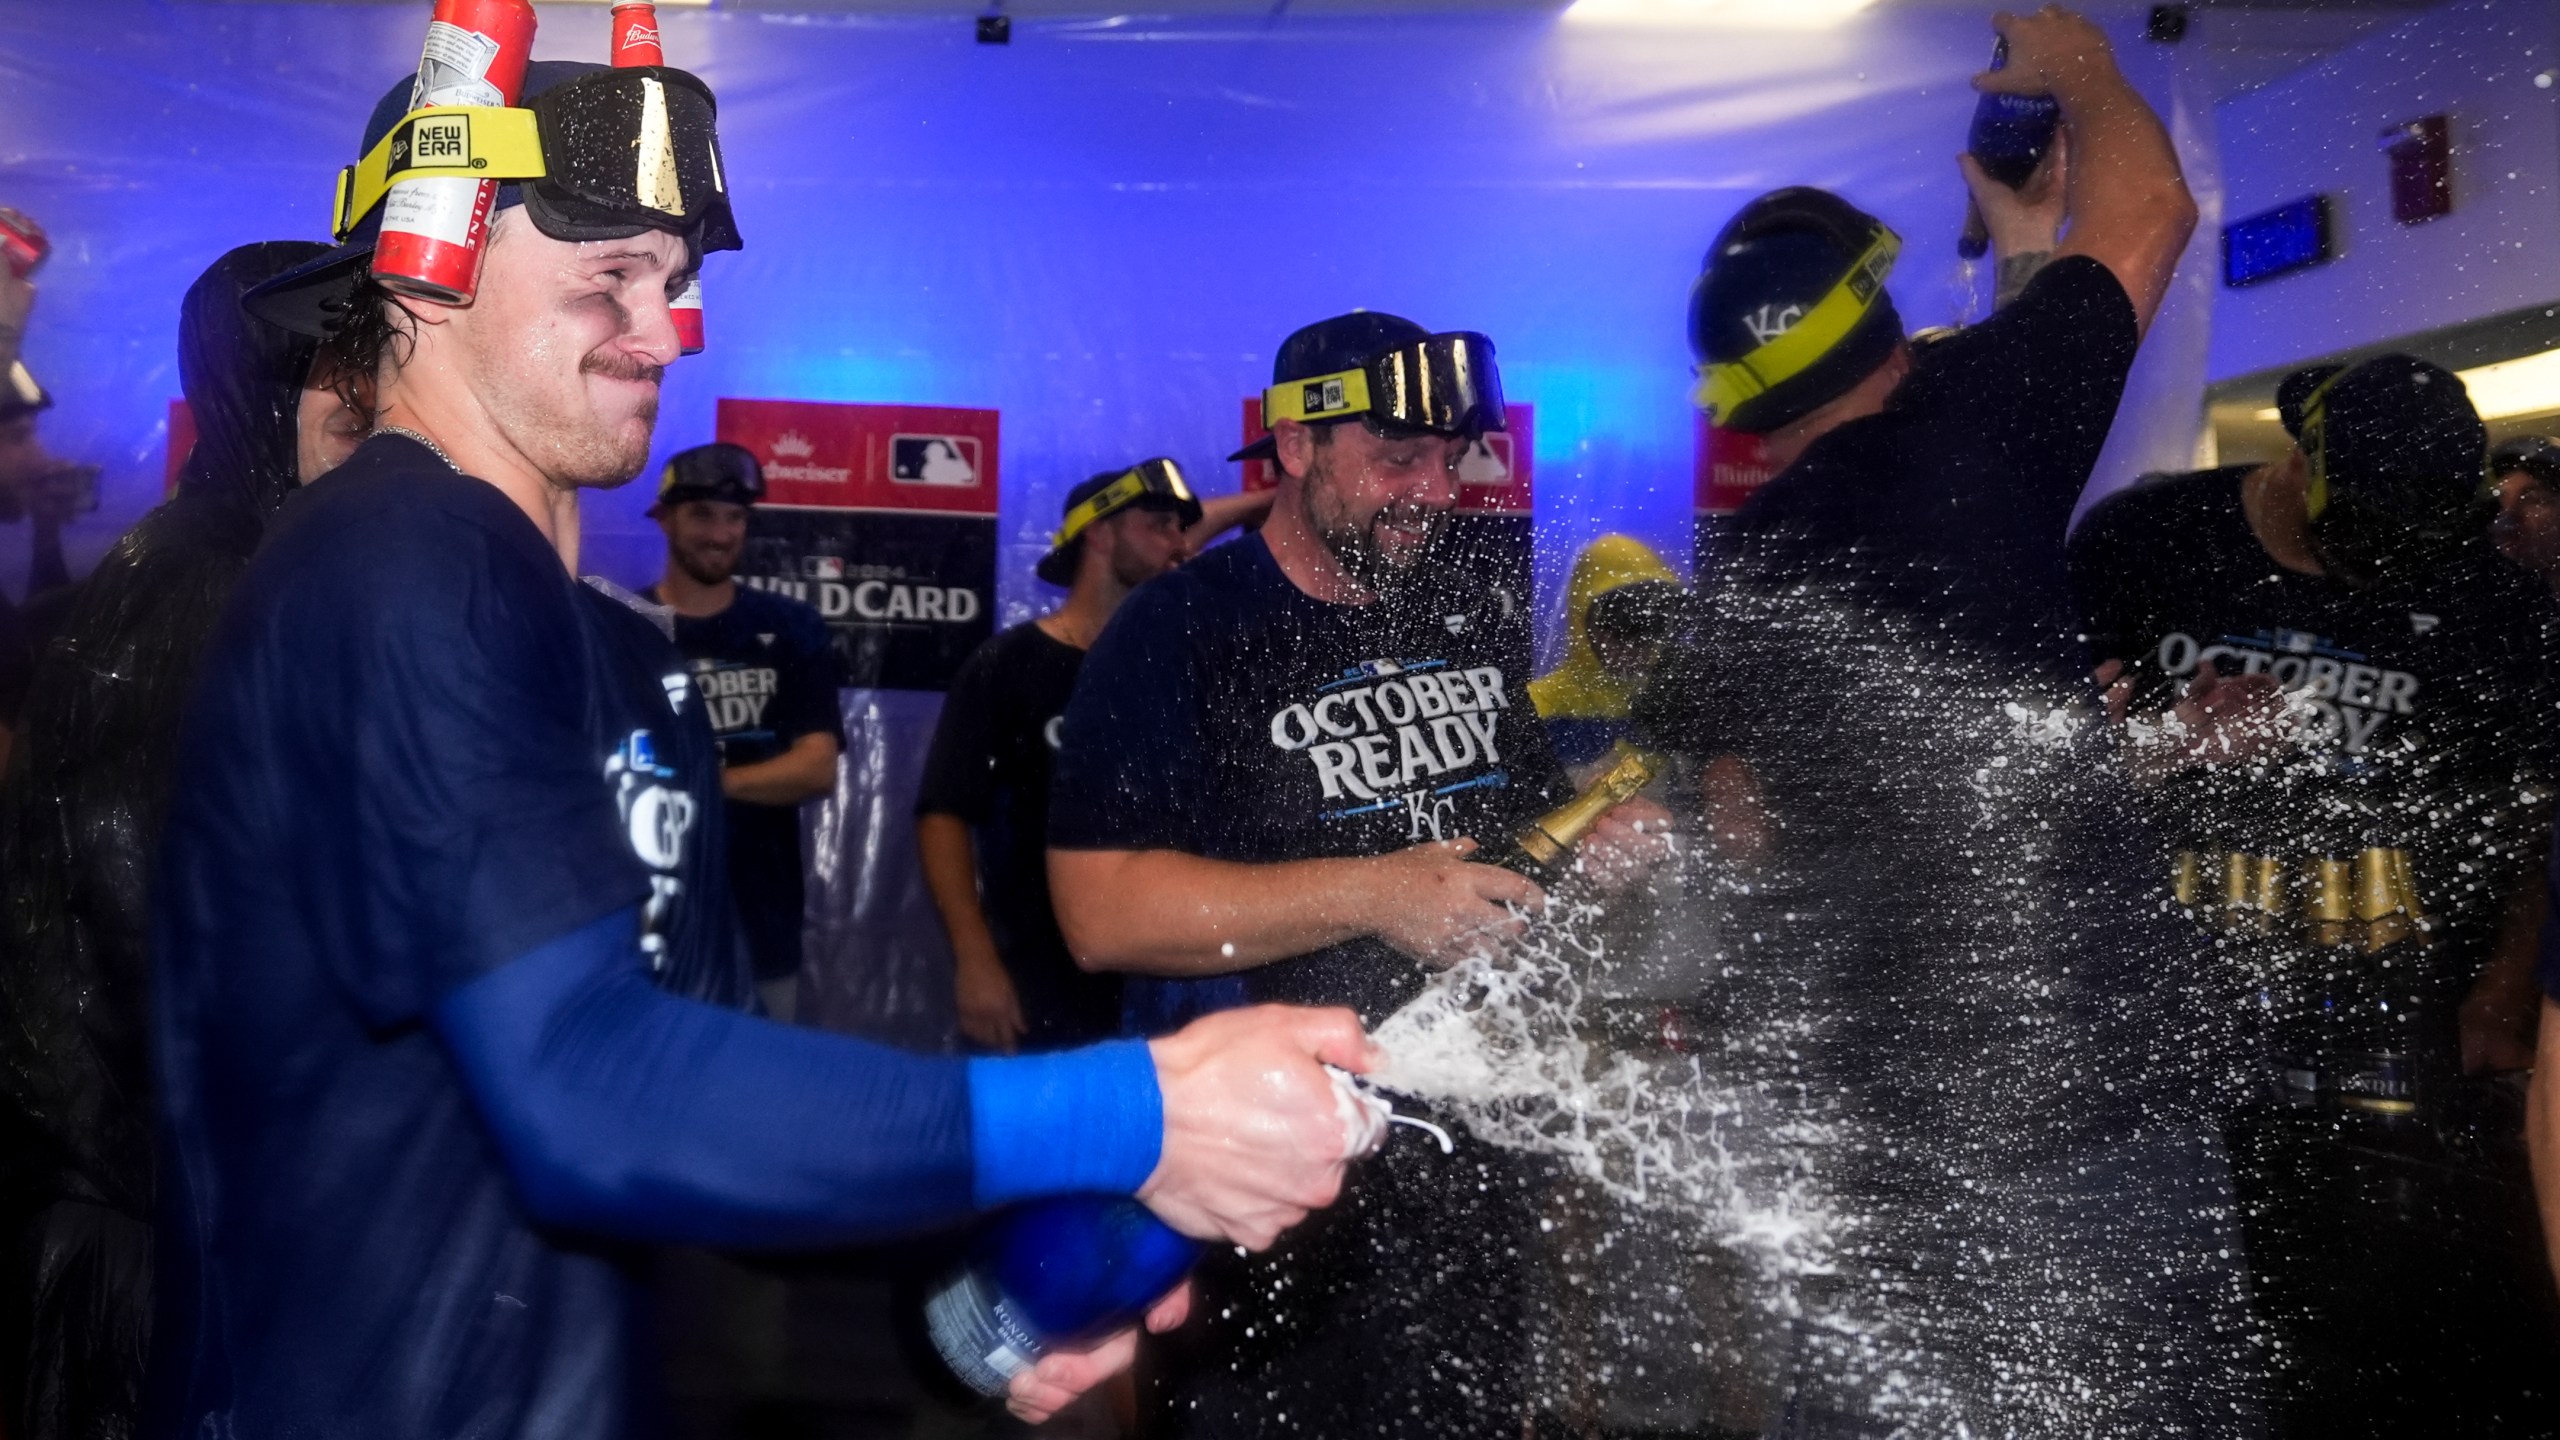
1400,734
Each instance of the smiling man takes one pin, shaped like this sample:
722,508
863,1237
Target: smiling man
447,1000
766,668
1276,766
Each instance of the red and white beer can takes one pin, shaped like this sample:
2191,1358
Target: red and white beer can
635,33
686,311
433,230
636,42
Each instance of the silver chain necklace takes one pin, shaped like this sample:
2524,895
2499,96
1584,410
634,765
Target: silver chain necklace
421,439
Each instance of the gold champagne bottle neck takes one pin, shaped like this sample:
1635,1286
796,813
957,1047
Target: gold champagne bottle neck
1552,836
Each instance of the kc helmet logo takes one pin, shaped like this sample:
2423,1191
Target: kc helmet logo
1769,322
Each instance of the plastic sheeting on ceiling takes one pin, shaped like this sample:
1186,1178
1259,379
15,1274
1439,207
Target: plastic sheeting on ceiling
1102,229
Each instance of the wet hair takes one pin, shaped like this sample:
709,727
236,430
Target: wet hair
377,326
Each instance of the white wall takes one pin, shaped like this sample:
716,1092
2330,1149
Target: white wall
2319,130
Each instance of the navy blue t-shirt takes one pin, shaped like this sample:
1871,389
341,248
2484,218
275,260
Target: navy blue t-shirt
1893,647
419,749
1226,713
767,674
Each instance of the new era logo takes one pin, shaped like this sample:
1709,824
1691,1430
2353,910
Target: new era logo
1321,397
432,140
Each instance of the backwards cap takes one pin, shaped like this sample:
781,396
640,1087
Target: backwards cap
1790,310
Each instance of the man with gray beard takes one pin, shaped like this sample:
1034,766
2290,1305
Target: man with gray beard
1276,766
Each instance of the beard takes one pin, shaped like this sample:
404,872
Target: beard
1356,541
707,566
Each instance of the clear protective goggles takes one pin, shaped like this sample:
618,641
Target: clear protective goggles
603,157
1447,384
1158,479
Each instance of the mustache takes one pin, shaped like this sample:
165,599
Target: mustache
621,367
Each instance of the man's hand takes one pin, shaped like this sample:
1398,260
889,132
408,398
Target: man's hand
1254,1136
1737,820
2024,225
990,1009
1052,1385
2051,52
2217,720
1435,904
1626,845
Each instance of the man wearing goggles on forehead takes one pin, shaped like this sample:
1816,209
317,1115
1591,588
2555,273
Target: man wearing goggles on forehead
450,1015
1277,765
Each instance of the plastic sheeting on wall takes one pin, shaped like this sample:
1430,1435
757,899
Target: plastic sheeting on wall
1102,229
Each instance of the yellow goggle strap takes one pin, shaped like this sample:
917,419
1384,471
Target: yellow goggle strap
1131,486
462,142
2315,449
1724,386
1325,397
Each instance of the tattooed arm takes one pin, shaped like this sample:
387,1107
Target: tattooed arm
2025,224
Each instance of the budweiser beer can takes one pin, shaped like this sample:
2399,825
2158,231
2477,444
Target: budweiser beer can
23,242
635,34
433,230
686,310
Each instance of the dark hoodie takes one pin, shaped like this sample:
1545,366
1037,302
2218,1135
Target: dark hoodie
80,814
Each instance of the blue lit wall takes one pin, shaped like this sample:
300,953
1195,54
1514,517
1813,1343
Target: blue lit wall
1102,229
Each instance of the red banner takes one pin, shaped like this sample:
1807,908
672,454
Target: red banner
883,517
1730,466
1494,476
869,457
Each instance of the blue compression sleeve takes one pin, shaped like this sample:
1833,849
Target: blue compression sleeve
623,1110
1085,1120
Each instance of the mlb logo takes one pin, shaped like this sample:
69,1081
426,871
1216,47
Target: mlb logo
950,460
1487,461
2296,642
822,567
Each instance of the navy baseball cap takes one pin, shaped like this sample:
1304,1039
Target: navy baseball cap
717,471
1386,370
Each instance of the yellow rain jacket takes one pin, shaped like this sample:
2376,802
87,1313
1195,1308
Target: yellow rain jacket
1584,705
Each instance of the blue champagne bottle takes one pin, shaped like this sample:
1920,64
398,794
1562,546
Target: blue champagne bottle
1049,1273
2010,136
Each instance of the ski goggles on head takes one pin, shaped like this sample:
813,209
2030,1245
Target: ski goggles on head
1447,384
1722,387
1157,479
604,157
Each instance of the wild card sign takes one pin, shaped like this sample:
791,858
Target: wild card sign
883,517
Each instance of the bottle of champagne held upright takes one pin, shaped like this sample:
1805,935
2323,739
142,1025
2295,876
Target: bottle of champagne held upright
1073,1268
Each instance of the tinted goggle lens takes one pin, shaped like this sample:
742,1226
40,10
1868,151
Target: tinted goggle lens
634,147
1446,383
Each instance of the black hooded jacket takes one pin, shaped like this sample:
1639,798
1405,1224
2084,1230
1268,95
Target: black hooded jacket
80,814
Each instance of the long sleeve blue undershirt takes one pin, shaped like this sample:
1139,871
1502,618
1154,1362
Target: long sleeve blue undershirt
626,1111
